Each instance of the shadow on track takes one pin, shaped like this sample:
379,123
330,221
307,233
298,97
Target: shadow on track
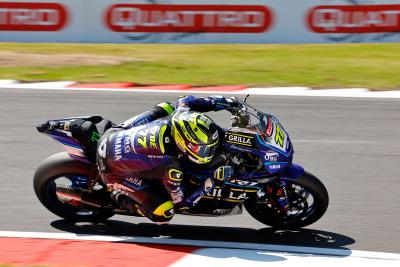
303,237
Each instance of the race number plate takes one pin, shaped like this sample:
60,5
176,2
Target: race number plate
279,137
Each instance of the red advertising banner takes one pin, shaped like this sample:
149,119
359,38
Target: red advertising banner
188,18
354,19
26,16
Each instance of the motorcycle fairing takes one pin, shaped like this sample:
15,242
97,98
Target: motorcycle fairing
71,146
293,172
278,139
229,199
242,140
275,136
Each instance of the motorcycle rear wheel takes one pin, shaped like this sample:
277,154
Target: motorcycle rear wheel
308,200
62,167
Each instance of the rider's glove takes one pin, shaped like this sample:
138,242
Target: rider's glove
223,173
233,103
221,102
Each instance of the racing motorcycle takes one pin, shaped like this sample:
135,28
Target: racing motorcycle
273,189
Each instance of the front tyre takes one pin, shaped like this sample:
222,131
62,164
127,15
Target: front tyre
308,200
60,170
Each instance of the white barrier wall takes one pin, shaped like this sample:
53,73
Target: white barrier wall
200,21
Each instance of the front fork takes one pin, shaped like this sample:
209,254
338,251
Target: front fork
276,193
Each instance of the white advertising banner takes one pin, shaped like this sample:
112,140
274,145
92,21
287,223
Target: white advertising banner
200,21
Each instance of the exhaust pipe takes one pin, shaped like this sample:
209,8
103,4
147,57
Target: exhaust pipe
68,194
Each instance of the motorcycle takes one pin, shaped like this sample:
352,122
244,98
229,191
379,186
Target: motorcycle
274,190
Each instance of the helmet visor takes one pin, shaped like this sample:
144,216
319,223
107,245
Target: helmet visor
204,152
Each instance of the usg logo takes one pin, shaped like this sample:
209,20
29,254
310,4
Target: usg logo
24,16
188,18
354,19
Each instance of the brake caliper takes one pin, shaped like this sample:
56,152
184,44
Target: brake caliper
277,192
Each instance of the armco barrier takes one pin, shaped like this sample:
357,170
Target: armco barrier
200,21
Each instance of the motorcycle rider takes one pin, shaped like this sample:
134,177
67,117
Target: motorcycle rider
145,149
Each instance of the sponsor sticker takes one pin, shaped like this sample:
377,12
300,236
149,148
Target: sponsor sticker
239,139
279,136
188,18
271,156
118,146
135,181
233,195
127,146
274,166
354,19
24,16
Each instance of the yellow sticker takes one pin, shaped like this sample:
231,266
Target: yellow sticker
279,136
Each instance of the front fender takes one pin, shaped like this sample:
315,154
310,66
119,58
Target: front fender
293,172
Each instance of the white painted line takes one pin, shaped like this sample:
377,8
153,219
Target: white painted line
339,92
385,94
209,244
304,91
8,82
255,258
273,91
277,91
42,85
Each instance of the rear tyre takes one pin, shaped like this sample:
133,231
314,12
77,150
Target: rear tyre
308,200
61,170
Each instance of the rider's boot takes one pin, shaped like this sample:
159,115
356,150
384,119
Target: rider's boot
128,203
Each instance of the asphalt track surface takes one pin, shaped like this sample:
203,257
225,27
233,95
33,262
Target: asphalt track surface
351,144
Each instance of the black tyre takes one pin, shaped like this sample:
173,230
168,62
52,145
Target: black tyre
308,200
61,168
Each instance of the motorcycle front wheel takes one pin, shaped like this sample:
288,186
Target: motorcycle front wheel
308,201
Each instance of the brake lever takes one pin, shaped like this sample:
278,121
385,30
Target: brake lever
245,98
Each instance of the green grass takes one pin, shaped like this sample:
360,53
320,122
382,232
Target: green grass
375,66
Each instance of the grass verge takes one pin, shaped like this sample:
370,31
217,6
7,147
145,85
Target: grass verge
376,66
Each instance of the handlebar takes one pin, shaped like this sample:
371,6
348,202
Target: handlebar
240,117
243,112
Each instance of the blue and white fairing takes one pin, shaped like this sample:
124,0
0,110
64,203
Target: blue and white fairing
267,139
